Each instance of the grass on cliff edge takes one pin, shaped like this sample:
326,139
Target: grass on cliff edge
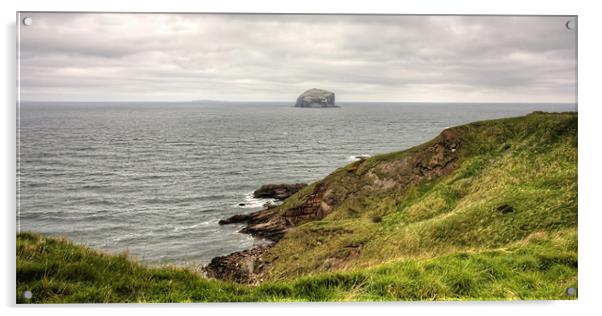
542,266
515,177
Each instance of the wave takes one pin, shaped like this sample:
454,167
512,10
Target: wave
35,184
357,157
252,202
87,148
101,202
93,186
189,227
184,200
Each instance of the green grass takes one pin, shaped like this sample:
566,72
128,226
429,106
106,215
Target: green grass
438,239
529,163
541,267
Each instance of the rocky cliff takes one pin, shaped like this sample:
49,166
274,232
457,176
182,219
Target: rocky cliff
478,186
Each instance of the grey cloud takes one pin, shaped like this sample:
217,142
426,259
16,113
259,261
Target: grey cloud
274,57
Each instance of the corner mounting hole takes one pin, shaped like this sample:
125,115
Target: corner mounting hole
571,291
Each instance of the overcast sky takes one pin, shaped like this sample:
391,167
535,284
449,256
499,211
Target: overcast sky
181,57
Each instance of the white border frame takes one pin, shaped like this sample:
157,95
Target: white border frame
589,107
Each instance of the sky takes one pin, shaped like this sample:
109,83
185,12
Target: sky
183,57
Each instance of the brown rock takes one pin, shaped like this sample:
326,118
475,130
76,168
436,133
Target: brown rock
267,223
242,266
278,191
241,218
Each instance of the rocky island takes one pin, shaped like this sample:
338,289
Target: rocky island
316,98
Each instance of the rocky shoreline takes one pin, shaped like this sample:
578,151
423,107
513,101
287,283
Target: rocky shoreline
425,163
265,223
437,158
247,266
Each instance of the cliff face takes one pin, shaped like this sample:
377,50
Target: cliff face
316,98
475,187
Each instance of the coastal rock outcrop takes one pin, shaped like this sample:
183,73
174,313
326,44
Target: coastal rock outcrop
244,266
267,223
278,191
437,158
357,206
316,98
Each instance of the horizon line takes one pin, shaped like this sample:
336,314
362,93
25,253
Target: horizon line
257,101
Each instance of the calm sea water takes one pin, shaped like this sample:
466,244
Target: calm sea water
154,178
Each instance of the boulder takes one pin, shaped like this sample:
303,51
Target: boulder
244,266
267,224
278,191
270,204
316,98
240,218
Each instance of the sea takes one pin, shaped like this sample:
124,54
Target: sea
154,178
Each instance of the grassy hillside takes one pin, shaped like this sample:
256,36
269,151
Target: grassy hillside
503,181
486,210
